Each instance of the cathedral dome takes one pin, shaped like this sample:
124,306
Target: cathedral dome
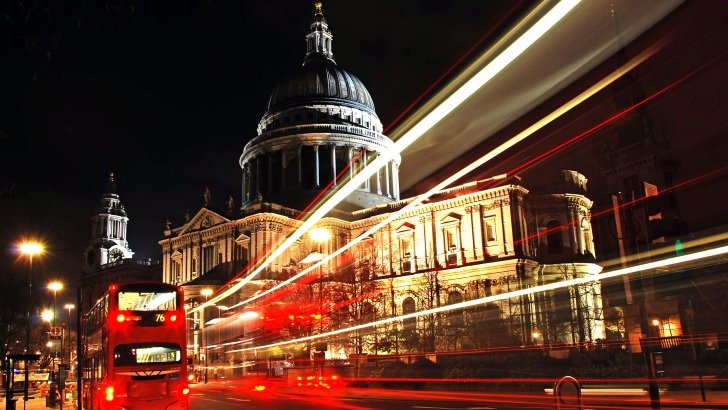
319,129
321,81
320,92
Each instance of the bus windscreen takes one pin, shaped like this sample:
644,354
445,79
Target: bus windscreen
147,301
135,354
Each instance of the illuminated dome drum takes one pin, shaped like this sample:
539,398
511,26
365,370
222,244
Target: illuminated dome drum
316,123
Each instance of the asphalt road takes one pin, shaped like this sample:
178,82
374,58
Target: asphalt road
273,394
237,395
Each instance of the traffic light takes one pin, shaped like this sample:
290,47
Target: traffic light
665,227
660,211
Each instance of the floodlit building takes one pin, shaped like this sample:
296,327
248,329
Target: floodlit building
471,241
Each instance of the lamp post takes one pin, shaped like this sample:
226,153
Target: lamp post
69,307
29,249
206,293
55,286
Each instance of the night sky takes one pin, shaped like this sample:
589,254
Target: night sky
166,93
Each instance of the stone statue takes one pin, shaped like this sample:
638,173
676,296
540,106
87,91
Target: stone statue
231,203
207,196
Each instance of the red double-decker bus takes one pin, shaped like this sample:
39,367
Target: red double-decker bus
134,349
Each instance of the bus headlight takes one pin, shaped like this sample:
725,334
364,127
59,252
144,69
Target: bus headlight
110,393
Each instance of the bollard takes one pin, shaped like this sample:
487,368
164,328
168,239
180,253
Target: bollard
559,398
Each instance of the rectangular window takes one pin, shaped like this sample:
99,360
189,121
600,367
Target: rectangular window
489,229
450,239
208,255
405,246
139,353
147,301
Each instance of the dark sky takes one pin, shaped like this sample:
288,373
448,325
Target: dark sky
166,93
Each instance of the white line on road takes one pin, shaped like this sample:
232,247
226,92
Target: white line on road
237,399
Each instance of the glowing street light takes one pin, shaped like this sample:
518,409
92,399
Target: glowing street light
47,315
29,249
55,286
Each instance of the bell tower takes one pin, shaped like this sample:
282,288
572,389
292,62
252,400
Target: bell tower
108,231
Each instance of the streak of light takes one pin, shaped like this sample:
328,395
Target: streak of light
609,120
534,380
608,211
507,295
615,75
541,27
660,44
455,65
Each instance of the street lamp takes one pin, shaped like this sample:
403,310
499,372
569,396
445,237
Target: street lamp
55,286
206,292
29,249
69,307
47,315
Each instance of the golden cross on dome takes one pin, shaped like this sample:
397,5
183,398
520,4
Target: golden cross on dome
318,6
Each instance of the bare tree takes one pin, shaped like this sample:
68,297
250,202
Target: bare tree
358,297
426,290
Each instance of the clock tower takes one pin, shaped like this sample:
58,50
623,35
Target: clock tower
108,231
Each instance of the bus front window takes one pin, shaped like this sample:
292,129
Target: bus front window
135,354
147,301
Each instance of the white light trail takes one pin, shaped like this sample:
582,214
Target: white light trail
508,295
508,55
634,62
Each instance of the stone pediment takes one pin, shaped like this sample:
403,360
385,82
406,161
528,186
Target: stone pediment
451,218
242,239
405,227
203,219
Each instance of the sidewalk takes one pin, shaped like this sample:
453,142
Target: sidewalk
37,403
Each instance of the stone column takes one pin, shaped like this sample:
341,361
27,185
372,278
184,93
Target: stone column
379,179
243,195
270,171
300,160
257,178
364,158
571,220
333,163
317,182
386,178
395,180
351,164
284,169
579,234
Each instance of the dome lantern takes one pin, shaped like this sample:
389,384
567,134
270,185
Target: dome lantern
319,40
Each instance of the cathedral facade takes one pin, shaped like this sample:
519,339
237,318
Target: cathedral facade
482,238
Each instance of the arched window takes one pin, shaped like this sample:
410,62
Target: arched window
553,237
408,306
